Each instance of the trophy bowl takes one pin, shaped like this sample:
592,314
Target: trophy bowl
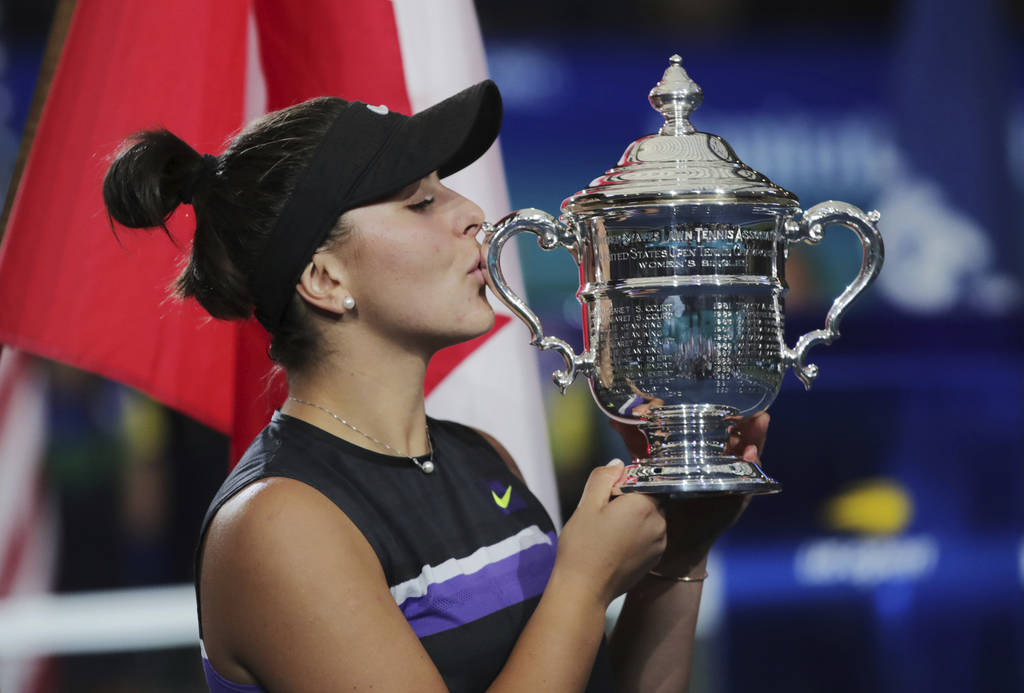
682,252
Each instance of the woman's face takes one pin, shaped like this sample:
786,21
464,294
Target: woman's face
412,263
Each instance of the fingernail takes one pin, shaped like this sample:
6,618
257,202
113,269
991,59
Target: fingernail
615,463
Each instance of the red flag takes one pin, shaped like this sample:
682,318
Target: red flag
69,292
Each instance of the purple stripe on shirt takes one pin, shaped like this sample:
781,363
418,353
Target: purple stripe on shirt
218,684
466,598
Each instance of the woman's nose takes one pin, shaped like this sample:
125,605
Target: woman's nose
472,219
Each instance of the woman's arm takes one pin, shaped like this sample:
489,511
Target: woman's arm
295,599
605,546
651,647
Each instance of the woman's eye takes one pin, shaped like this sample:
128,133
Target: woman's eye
422,204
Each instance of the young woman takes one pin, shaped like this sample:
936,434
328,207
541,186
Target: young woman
360,544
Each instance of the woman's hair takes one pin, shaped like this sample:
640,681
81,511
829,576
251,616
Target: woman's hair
236,197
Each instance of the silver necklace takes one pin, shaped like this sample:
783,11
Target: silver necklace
426,465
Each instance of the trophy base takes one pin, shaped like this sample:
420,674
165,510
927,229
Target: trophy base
720,476
689,457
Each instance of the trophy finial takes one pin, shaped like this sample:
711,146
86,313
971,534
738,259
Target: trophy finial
676,96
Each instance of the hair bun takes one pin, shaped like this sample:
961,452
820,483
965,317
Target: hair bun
151,176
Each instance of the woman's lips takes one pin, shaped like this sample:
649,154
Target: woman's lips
477,270
478,273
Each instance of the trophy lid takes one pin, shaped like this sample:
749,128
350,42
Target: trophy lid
678,165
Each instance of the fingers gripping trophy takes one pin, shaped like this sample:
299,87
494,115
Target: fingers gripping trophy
682,254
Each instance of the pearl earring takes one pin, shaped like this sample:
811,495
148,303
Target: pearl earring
349,303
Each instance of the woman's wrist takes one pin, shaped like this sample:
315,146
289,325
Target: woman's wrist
684,568
678,578
579,589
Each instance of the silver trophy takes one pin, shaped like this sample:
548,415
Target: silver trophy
682,253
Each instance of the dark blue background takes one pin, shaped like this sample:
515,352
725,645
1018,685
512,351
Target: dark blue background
923,394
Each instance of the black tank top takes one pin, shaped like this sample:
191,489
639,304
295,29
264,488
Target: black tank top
466,550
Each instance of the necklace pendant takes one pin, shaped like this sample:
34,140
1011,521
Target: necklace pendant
426,466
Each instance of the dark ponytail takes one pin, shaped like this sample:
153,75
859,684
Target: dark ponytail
236,197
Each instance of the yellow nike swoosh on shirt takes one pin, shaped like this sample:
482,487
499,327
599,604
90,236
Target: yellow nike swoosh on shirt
503,500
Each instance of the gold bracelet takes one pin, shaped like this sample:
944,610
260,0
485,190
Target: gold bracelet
674,578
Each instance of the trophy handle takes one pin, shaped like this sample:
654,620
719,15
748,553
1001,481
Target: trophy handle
810,228
550,234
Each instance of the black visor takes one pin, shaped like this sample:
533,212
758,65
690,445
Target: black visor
368,153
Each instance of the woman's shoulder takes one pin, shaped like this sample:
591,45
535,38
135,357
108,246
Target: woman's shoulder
264,521
279,555
293,463
274,509
271,526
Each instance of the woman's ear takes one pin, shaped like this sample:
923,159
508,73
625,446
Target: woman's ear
322,284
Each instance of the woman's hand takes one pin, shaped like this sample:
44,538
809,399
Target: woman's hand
694,524
610,542
747,436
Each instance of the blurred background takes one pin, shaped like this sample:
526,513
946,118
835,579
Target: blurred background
894,559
